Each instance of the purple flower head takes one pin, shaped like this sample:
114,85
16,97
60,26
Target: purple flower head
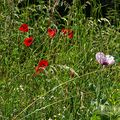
100,57
104,59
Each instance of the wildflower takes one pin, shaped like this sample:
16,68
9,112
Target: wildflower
104,59
110,59
100,57
41,66
68,32
28,41
65,31
70,35
51,32
24,27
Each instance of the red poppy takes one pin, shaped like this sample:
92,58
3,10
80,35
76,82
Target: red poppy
51,32
70,35
41,66
65,31
24,27
28,41
38,70
68,32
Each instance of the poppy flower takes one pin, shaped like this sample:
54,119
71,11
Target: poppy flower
65,31
68,32
41,66
28,41
70,35
51,32
24,27
104,59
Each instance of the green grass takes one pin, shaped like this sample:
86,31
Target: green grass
92,94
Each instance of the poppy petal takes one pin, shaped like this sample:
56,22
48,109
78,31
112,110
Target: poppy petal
43,63
24,27
28,41
51,32
68,32
70,35
41,66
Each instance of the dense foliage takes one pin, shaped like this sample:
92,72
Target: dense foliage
48,65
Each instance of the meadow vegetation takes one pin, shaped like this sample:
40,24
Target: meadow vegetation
74,86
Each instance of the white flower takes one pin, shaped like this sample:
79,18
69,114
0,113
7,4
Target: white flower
110,59
104,59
